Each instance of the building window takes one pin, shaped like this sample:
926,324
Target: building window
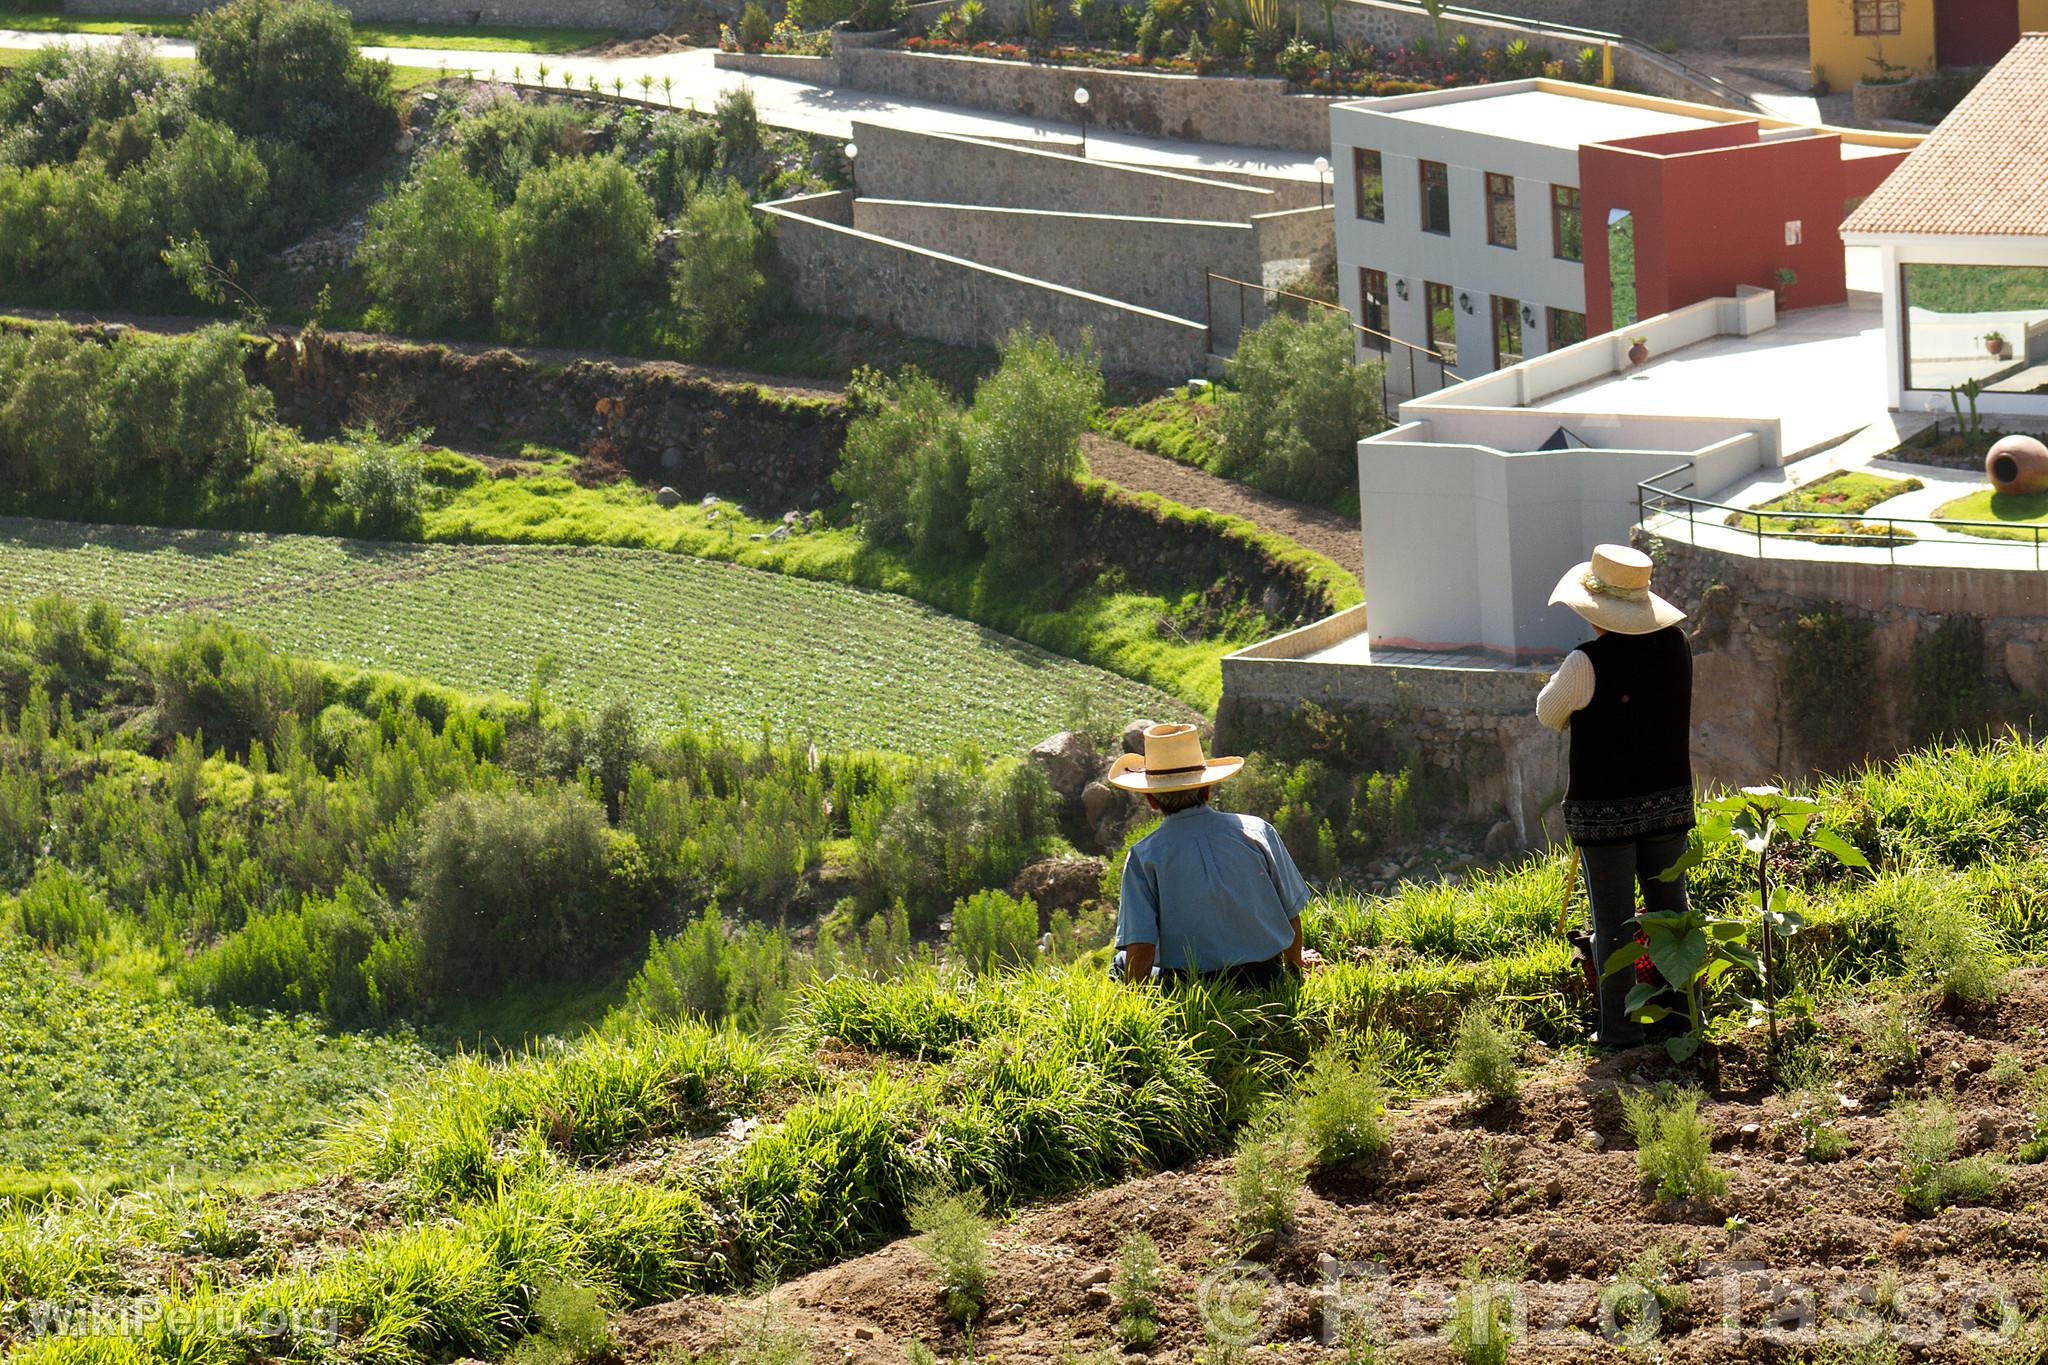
1565,328
1875,18
1440,307
1987,323
1372,307
1436,197
1500,209
1507,332
1371,189
1566,241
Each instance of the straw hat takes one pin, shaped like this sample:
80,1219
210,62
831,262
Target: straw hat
1612,590
1172,762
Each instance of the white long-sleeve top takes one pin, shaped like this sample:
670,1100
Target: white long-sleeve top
1569,689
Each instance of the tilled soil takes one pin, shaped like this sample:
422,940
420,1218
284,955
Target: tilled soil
1327,533
1543,1194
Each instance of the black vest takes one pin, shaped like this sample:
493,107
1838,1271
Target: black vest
1632,744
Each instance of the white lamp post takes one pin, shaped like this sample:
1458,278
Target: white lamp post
1081,103
1323,181
853,164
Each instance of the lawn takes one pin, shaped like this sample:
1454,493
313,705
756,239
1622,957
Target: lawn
1178,424
458,37
679,636
2021,513
1819,510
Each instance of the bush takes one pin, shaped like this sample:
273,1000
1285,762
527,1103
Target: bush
1135,1290
810,15
739,126
1482,1322
1930,1178
1341,1107
181,411
755,25
718,279
1025,444
60,909
953,1230
679,156
519,887
869,15
51,104
570,1327
992,931
578,245
289,70
430,251
952,832
1265,1182
715,971
308,959
384,485
1674,1144
506,140
1484,1053
1952,949
905,462
217,680
1300,408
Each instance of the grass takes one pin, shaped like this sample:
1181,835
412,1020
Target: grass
452,37
1842,493
844,667
1177,424
102,1083
1996,516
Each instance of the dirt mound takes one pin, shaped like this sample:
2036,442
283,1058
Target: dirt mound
1545,1194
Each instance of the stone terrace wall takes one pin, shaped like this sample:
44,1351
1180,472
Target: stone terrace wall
842,272
631,15
771,451
1153,262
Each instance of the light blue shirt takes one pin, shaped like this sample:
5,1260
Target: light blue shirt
1212,890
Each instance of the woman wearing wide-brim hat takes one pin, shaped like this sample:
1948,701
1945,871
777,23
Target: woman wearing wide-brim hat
1626,697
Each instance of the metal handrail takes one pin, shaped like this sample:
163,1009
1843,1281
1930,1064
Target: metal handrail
1445,374
1651,498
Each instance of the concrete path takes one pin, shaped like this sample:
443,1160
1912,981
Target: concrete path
796,105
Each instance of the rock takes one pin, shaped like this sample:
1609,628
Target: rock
1068,761
1503,840
1563,1131
1271,601
1751,1130
667,497
1059,883
709,499
757,536
779,533
1134,736
1553,1192
1107,812
1595,1142
671,456
2023,666
793,519
1099,1275
863,1334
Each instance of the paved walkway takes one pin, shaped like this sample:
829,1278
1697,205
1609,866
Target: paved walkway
697,84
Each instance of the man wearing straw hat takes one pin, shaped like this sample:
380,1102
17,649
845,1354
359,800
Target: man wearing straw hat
1626,697
1206,894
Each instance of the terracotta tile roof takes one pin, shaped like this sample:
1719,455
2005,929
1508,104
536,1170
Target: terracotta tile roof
1982,171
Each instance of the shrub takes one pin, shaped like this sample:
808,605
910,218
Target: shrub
384,485
755,25
66,232
718,279
1674,1144
952,832
1930,1178
1949,947
430,252
308,959
217,680
577,245
1300,407
992,931
870,15
953,1235
1890,1031
905,464
1484,1053
739,126
1341,1107
289,70
1482,1322
570,1327
1025,444
816,14
717,971
1948,681
1265,1182
182,410
51,104
503,142
679,156
60,909
1135,1290
518,886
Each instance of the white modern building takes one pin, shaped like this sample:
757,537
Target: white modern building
1462,240
1961,232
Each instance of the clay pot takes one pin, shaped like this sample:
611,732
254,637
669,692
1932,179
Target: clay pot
1638,354
2017,464
1994,345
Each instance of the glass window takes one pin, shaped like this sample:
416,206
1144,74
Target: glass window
1507,332
1566,243
1500,209
1372,304
1983,322
1441,308
1877,17
1371,189
1565,328
1436,197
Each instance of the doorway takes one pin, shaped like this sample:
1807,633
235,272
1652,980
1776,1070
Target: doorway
1621,266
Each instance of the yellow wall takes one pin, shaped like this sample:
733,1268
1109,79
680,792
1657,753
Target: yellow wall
2033,16
1841,58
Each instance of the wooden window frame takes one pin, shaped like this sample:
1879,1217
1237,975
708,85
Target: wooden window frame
1558,208
1500,189
1358,195
1422,169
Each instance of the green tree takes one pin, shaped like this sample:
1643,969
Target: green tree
51,104
718,278
905,463
290,70
209,182
1300,407
1026,442
181,410
430,252
578,244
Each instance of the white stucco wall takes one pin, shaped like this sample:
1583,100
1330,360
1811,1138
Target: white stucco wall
1895,252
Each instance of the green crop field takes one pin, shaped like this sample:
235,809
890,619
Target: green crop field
839,665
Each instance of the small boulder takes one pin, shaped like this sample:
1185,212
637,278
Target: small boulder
671,456
1503,841
1108,812
1099,1275
1134,736
667,497
1059,883
1068,761
779,533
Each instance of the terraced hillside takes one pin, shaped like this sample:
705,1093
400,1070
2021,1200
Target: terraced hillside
842,666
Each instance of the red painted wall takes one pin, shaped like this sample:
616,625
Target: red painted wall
1710,219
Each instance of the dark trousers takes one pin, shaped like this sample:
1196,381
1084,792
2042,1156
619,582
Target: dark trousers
1250,976
1613,872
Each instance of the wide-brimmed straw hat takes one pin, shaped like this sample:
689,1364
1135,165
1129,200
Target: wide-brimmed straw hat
1612,590
1172,762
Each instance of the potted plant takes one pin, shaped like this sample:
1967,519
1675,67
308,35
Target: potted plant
1638,350
1994,342
1785,279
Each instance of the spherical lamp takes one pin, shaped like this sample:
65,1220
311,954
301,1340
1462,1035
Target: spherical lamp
2018,465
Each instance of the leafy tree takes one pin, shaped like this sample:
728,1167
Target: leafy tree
905,463
208,182
504,141
1026,444
578,244
385,484
718,278
51,104
1301,405
183,411
290,70
739,126
430,252
63,232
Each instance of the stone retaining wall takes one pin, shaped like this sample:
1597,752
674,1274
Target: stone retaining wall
634,16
